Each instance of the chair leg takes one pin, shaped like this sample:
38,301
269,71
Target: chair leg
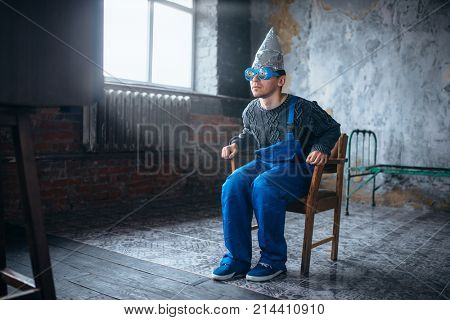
307,241
336,227
37,240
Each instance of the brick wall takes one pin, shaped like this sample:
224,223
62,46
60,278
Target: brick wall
72,179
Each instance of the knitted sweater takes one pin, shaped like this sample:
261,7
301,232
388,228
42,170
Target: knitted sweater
314,128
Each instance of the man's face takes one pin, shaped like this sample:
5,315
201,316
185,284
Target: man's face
265,88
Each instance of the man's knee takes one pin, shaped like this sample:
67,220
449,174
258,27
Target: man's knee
264,188
236,181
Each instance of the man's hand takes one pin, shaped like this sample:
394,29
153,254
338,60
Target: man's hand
317,158
228,152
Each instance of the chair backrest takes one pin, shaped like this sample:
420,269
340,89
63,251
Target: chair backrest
338,152
341,146
335,164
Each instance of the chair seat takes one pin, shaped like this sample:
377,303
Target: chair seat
326,200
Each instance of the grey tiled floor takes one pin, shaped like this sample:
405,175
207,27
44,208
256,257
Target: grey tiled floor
384,253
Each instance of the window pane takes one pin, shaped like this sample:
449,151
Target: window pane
172,47
126,39
184,3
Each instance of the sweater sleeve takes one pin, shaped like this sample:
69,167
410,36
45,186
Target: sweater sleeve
326,131
242,139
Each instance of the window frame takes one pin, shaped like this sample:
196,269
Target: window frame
149,82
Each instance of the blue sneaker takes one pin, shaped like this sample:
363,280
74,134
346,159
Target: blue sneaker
263,272
226,272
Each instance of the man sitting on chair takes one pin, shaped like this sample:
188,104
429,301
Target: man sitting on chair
285,128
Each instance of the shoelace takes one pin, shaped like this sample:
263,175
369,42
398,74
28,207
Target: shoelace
265,265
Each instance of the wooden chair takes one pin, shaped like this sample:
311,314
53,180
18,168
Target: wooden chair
41,286
319,200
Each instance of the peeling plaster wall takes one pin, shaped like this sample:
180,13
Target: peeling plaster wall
356,59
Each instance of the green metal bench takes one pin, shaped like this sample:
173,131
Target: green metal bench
365,145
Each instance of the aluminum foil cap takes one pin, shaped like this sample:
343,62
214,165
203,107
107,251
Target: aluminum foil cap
269,53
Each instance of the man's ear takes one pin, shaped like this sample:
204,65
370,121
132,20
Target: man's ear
281,80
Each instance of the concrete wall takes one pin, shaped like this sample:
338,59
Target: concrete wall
378,65
206,47
222,47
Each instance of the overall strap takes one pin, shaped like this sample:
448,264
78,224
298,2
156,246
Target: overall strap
290,122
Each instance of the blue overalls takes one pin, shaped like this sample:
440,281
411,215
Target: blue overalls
265,185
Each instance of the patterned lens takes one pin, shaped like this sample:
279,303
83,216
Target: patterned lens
263,74
249,74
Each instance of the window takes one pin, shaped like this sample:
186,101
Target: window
149,41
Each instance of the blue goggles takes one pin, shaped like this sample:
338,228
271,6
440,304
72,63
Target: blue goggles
264,73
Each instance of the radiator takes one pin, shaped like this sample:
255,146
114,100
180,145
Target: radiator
114,125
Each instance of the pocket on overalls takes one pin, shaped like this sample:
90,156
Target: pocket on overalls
281,151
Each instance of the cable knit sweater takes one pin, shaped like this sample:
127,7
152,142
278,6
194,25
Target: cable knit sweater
314,128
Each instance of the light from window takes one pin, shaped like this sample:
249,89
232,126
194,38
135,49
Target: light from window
130,53
172,43
125,44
